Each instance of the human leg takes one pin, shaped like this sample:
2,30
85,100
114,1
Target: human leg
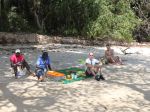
40,74
110,59
26,65
90,72
15,70
118,60
97,68
99,73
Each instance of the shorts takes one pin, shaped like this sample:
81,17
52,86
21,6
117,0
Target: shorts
39,73
88,74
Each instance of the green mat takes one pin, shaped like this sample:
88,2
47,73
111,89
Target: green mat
67,72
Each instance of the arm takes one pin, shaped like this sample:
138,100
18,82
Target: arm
38,63
49,64
107,54
12,64
12,61
112,52
49,67
112,56
89,65
21,60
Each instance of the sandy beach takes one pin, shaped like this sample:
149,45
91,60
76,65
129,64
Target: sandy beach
126,88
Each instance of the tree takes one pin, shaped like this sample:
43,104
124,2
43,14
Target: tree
116,21
142,10
113,19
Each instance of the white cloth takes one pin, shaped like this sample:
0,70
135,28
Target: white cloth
21,72
92,62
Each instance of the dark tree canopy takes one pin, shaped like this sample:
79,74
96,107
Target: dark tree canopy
123,20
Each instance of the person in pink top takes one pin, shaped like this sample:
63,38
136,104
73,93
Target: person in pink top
17,59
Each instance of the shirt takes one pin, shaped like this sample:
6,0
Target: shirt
43,64
16,59
92,62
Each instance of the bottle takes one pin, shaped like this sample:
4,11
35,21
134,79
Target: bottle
72,75
75,75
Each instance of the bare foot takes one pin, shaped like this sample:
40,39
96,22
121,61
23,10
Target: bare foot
33,74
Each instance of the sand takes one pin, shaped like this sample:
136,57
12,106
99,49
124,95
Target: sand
126,88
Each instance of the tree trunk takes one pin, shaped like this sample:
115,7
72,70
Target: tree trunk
39,25
37,19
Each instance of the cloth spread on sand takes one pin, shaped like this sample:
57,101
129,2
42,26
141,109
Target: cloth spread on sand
79,72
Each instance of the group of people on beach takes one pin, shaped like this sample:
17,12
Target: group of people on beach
43,64
93,66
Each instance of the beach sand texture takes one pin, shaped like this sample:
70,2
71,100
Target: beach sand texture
126,89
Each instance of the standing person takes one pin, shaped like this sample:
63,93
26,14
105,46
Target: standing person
92,67
111,58
16,60
43,64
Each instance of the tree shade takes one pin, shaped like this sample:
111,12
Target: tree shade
99,19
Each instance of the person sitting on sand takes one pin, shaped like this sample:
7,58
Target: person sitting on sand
109,55
43,64
16,60
92,66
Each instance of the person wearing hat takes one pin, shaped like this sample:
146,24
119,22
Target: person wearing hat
43,64
17,59
92,66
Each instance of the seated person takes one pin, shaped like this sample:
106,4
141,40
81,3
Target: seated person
16,60
109,55
92,66
42,65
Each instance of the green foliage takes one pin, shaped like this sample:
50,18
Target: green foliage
16,22
114,19
142,10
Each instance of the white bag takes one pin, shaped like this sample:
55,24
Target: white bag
21,72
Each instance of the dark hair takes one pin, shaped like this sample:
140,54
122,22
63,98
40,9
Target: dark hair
45,55
107,44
